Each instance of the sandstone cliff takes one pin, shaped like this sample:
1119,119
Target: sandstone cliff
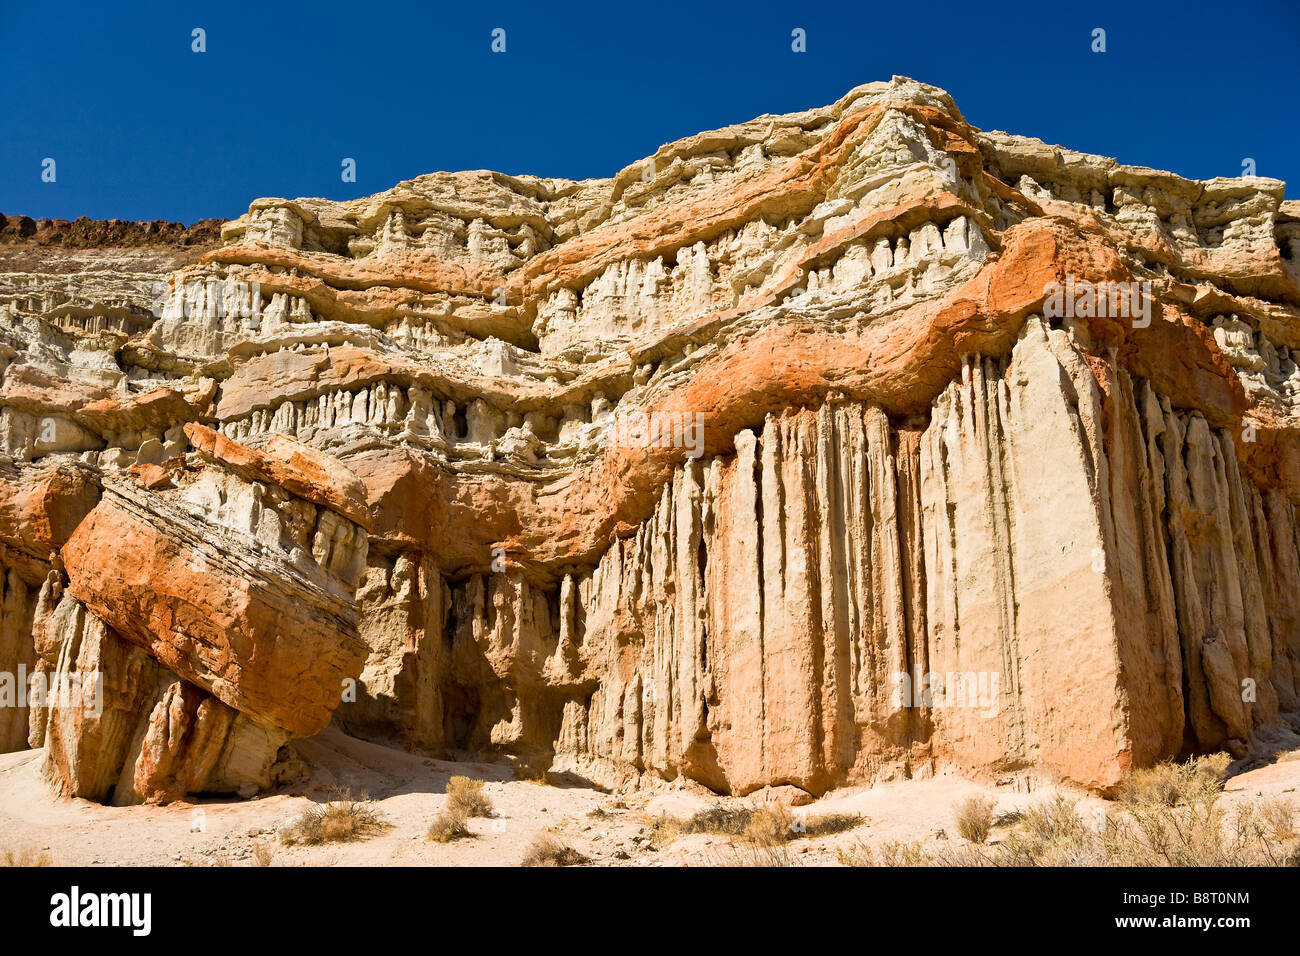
822,448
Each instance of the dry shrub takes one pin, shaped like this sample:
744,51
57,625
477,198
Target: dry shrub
768,831
892,853
1171,784
1053,833
1169,815
750,854
25,856
1174,818
338,821
732,821
546,850
1278,816
897,853
828,824
1200,832
975,819
263,853
770,825
451,824
467,796
857,853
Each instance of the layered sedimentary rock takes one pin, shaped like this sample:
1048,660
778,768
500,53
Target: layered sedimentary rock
200,615
819,449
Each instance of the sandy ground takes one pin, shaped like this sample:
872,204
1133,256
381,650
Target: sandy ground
408,791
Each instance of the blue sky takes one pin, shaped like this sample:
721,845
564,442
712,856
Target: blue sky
141,127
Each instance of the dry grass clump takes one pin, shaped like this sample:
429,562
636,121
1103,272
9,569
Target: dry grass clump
749,854
827,824
1174,818
467,796
763,832
338,821
975,819
465,799
263,853
770,825
1279,816
731,821
25,856
1053,833
1171,784
767,825
546,850
451,824
1168,815
895,853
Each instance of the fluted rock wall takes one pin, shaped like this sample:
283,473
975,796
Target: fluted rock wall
1056,534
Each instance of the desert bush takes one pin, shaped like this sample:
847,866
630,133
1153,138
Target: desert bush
975,819
546,850
828,824
263,853
338,821
1171,784
1053,833
857,853
25,856
733,821
1202,833
897,853
451,824
467,795
1279,818
1174,817
893,853
1263,834
1168,815
769,825
750,854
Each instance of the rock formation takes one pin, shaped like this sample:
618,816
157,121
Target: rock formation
819,449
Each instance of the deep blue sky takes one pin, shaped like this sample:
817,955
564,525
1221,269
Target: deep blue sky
143,128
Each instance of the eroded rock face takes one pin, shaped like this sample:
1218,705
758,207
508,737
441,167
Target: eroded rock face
199,617
118,726
774,460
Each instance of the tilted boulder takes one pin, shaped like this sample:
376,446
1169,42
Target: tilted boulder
116,726
218,609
